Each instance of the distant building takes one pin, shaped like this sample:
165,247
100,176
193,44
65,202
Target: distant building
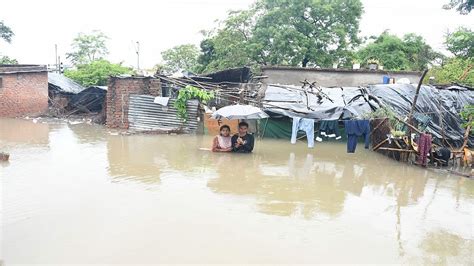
333,77
23,90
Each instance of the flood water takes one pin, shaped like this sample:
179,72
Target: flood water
77,193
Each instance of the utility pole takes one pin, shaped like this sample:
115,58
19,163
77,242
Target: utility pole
59,65
138,55
56,57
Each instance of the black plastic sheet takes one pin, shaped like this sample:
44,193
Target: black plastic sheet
442,106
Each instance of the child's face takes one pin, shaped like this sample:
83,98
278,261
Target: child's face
225,132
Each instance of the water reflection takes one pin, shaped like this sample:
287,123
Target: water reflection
88,133
363,203
20,131
444,248
291,183
145,158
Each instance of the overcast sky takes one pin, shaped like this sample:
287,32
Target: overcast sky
159,25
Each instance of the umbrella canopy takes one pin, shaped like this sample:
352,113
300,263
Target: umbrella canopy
239,112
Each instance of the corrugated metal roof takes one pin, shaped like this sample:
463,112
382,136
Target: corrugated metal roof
64,84
144,114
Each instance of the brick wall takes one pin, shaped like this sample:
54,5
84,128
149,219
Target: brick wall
23,94
117,100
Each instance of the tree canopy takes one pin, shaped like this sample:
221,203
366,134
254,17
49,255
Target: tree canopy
408,53
298,33
6,32
461,43
96,73
454,70
181,57
464,7
5,60
88,47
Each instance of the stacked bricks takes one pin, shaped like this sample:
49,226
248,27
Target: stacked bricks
118,92
23,93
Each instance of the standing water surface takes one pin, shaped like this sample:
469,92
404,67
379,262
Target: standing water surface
78,194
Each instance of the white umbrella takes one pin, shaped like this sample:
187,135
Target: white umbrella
239,112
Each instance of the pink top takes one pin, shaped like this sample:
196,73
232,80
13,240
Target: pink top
224,142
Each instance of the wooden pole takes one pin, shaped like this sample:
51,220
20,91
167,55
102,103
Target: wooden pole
380,144
373,130
409,125
393,149
466,136
410,115
416,95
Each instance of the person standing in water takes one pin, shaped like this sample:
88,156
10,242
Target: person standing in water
242,142
222,142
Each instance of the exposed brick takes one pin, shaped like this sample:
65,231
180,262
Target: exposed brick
118,92
23,94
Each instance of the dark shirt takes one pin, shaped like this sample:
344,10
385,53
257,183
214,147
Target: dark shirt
358,128
247,147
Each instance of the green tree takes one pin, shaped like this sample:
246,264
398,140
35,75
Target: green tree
285,32
394,53
181,57
464,7
454,70
461,42
231,45
467,114
5,32
5,60
88,47
96,73
308,32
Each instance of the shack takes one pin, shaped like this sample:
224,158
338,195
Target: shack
23,90
437,113
90,100
147,103
61,90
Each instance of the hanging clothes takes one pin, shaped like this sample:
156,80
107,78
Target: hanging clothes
328,128
424,148
355,129
306,125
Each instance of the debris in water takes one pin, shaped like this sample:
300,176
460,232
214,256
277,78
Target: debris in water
4,156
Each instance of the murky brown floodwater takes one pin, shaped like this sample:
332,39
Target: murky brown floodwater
77,194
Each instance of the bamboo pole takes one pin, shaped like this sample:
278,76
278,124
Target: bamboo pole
373,130
409,125
416,95
466,136
410,115
393,149
380,144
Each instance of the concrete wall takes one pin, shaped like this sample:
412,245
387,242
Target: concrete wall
117,99
332,77
23,93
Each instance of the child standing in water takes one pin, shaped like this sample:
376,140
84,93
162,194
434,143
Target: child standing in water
222,142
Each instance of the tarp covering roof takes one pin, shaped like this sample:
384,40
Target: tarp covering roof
64,84
437,104
234,75
352,102
326,104
89,100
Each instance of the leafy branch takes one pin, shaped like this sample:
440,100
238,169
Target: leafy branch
467,114
189,93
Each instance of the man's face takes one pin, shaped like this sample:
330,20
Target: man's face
242,130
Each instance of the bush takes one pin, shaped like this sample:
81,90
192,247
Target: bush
456,70
96,73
